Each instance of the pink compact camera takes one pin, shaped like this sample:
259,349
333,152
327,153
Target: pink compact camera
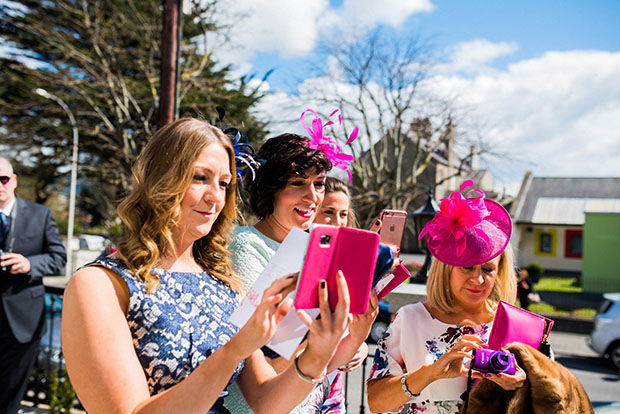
494,362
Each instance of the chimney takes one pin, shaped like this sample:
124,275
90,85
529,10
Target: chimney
475,158
448,140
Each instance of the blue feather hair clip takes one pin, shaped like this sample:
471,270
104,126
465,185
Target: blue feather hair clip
244,152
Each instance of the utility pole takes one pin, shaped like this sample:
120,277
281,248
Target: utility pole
74,168
169,73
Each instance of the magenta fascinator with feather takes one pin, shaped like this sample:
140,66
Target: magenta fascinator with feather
328,145
468,231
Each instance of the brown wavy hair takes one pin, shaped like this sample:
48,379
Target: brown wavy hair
438,285
335,185
281,157
161,174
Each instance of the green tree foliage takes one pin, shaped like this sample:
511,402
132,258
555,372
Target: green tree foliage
535,271
103,59
61,394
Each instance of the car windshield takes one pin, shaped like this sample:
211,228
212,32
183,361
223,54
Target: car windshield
605,306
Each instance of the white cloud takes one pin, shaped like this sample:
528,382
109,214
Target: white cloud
558,113
475,56
10,51
288,28
357,16
292,29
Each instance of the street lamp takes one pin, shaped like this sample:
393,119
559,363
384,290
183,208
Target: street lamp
74,161
421,217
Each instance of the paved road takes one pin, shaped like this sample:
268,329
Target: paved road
600,380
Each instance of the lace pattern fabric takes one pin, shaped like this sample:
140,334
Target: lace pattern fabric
178,325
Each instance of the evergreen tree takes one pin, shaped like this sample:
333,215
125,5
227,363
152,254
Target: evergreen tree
102,58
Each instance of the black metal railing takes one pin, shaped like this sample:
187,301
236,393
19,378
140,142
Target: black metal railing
50,362
357,386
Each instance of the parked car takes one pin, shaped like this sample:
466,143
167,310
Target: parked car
605,338
381,322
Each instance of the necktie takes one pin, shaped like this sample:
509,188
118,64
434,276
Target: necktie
4,228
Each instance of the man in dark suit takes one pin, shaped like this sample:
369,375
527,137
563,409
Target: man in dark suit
31,248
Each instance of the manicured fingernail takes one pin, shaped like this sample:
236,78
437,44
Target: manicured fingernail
398,249
322,284
377,222
487,375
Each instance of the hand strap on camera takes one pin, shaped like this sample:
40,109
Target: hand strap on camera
470,384
544,346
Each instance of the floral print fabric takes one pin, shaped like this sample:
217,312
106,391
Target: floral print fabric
416,338
178,325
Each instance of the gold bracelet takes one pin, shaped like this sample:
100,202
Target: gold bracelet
303,376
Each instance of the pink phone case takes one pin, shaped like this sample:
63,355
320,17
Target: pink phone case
400,275
331,249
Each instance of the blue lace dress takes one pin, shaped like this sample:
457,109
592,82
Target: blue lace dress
178,325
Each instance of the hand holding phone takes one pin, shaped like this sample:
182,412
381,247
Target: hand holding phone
331,249
392,228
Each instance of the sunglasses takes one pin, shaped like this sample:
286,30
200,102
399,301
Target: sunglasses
4,179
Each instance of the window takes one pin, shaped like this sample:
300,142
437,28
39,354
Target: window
545,242
573,246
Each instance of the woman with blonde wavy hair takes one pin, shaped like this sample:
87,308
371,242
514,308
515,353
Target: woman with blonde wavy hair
419,362
147,329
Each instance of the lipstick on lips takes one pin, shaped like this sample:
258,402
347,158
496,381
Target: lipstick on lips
206,214
304,212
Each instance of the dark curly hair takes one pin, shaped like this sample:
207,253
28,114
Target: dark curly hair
282,157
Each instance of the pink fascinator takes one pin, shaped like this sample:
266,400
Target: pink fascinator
468,231
328,145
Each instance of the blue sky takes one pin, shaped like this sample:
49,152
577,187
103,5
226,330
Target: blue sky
534,26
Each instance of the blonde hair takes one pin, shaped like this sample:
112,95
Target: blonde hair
161,174
439,294
334,185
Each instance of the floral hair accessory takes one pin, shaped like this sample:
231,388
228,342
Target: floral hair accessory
327,144
468,231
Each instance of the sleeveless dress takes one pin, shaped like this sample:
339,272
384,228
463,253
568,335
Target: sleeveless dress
177,326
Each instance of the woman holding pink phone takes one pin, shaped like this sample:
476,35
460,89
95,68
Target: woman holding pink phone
287,192
337,210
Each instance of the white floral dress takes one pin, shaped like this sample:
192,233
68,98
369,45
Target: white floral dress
416,338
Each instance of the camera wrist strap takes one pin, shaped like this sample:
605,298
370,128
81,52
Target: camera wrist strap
469,385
